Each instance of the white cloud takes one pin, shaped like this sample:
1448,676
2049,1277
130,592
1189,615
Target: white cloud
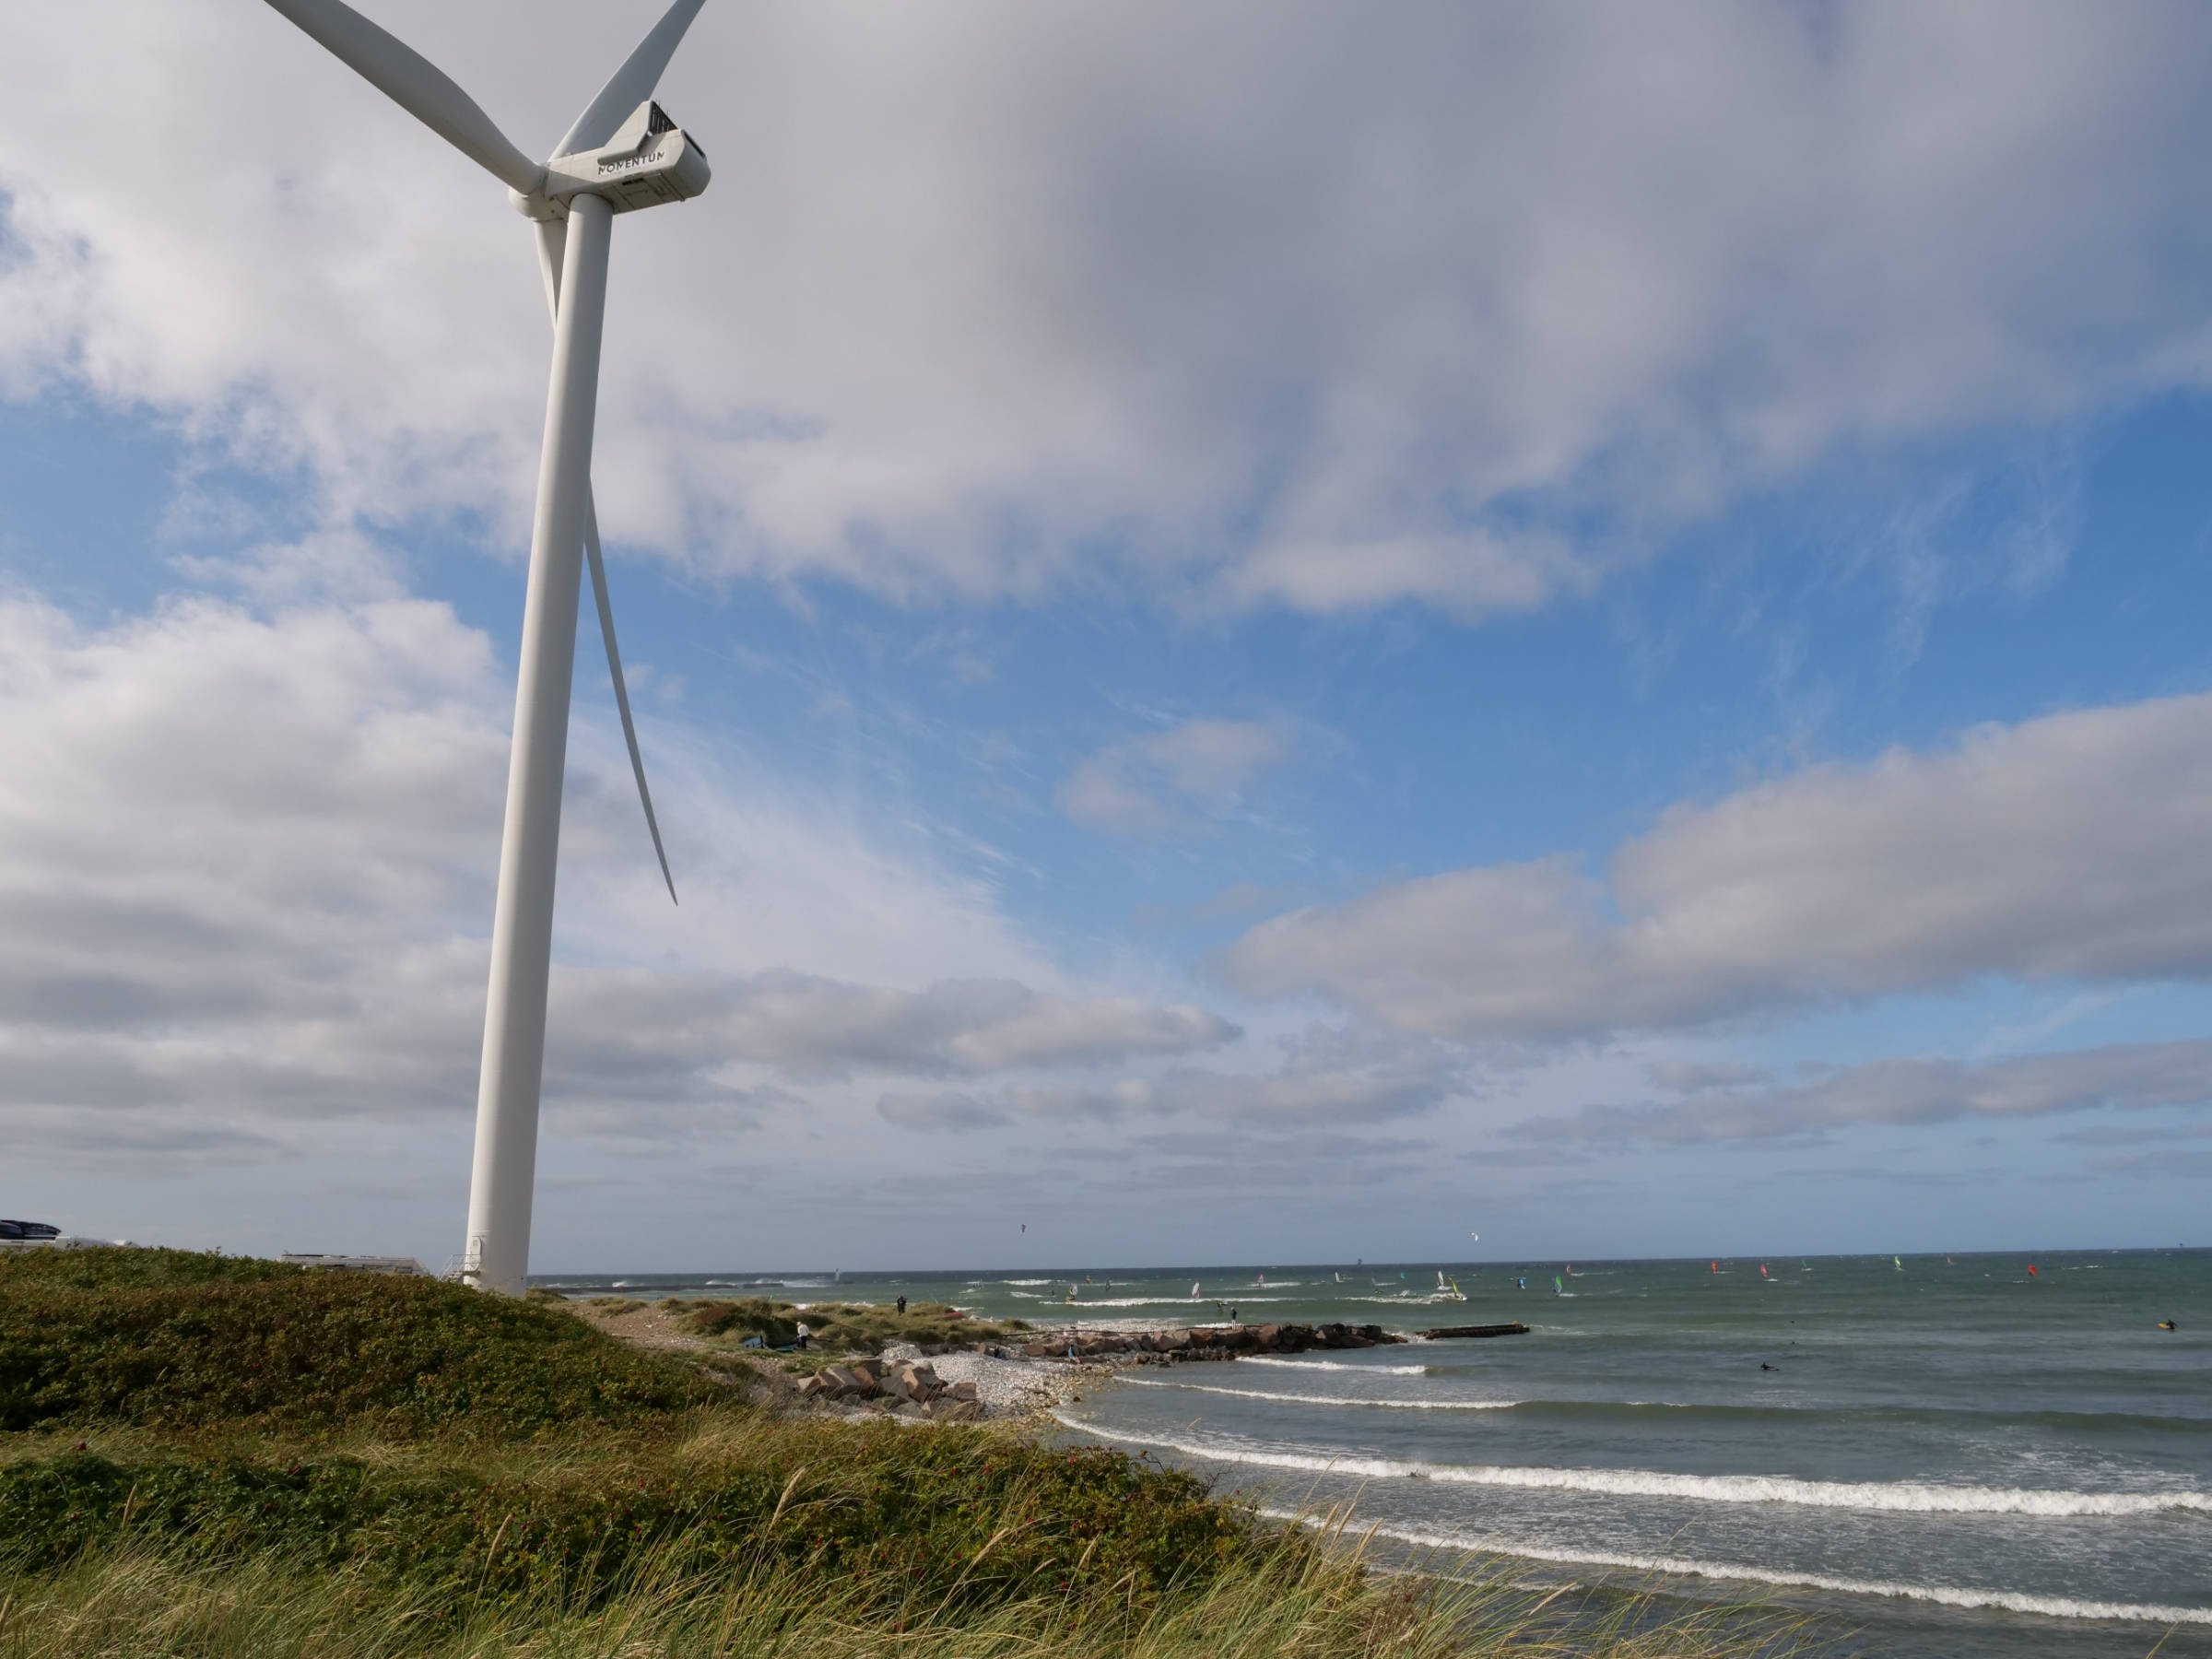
2069,847
1149,786
245,872
1278,305
1324,1079
1914,1092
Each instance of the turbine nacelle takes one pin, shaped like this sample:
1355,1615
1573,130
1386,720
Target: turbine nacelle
649,160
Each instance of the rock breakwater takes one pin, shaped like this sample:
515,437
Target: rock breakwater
1206,1342
910,1390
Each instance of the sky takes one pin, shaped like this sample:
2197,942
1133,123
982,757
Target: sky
1264,632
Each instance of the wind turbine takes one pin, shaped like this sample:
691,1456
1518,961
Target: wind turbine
622,154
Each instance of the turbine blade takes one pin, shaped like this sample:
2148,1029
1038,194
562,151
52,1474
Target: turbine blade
552,247
614,665
417,85
552,237
633,83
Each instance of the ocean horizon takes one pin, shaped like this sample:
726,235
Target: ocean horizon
1924,1456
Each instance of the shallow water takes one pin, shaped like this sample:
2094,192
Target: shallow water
1952,1458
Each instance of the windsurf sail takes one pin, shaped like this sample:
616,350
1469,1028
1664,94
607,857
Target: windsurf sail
1762,1270
2031,1272
1898,1263
1717,1267
1558,1285
1193,1289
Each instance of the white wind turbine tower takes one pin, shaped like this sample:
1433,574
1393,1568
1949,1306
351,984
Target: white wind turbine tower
623,153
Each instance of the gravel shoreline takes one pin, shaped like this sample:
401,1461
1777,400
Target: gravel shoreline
1009,1385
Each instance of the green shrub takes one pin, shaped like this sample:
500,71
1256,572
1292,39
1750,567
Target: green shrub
172,1339
862,1328
754,1316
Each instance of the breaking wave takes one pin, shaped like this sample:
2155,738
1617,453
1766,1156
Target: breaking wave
1299,1399
1372,1371
1896,1496
1950,1595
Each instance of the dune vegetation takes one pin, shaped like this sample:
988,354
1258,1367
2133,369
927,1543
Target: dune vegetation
851,1327
210,1456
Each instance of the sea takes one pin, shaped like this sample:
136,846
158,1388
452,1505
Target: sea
1923,1457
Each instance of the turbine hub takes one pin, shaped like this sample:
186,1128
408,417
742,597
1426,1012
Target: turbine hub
649,161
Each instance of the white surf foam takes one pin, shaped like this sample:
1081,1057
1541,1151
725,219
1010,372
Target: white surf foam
1301,1399
1180,1301
1899,1495
1372,1371
1950,1595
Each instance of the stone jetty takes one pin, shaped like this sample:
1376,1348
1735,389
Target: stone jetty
1444,1333
1206,1342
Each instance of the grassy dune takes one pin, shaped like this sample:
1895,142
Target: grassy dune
859,1328
204,1456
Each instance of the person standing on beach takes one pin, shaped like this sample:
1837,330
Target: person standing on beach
902,1304
801,1340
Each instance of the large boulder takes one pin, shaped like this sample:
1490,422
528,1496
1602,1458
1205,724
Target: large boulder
912,1382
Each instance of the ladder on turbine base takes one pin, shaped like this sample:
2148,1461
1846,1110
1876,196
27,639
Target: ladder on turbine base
467,1267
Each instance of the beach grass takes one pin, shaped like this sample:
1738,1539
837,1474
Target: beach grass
212,1457
847,1327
